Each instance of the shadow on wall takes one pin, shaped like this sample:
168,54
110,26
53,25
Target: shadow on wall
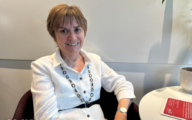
159,53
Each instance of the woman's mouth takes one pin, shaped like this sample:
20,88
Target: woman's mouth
72,44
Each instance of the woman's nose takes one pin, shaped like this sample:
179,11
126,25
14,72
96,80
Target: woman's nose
71,36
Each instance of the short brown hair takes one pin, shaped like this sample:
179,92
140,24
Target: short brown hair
59,13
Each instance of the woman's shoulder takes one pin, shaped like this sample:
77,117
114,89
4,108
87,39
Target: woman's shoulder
95,59
93,56
45,60
90,55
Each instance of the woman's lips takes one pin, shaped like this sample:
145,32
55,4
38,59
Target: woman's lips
72,44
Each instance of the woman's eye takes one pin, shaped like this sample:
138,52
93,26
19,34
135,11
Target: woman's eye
64,31
77,30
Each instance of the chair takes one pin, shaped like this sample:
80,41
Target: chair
24,108
108,104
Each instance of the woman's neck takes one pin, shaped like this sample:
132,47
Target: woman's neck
72,61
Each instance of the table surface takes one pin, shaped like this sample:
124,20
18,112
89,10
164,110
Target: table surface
151,104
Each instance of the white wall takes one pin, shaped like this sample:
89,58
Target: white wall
142,31
15,78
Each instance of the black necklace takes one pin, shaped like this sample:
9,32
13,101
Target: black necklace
73,85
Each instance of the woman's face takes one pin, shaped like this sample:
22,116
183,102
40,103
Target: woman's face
69,37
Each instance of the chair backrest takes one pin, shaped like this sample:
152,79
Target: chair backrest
24,108
107,101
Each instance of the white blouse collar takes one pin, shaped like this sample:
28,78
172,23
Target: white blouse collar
57,59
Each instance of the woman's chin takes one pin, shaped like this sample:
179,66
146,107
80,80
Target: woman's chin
71,51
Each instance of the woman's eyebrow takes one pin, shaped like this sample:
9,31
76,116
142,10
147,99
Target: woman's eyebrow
73,27
76,26
62,27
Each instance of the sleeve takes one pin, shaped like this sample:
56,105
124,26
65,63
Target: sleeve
44,98
112,82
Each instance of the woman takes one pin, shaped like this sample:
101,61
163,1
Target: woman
66,85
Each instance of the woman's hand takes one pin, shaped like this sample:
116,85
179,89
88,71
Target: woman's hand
120,116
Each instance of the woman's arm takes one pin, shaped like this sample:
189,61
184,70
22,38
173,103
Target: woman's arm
44,98
123,89
113,82
123,103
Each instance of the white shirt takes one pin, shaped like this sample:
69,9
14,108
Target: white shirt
52,91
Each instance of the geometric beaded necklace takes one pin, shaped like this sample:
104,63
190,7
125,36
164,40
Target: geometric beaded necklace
75,90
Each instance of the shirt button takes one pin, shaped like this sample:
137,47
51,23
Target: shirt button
88,115
80,78
84,91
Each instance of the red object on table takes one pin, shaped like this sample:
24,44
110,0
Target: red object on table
178,109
